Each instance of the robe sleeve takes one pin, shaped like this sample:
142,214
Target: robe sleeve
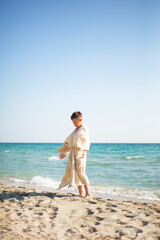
83,141
66,147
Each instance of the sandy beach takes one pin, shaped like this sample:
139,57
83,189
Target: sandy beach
33,214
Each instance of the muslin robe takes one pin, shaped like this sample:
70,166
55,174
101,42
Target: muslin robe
76,145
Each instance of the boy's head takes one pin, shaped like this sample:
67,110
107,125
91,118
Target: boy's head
76,118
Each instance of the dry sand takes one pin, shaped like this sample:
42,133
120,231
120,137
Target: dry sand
34,214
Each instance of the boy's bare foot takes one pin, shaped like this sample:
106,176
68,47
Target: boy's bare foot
88,196
81,195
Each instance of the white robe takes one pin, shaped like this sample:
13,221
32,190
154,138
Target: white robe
77,143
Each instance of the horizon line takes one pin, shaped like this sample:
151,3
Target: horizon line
91,142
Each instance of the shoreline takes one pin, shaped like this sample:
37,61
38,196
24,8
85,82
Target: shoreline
35,214
23,183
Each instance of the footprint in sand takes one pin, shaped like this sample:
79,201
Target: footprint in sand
112,210
37,205
92,230
113,205
55,209
108,209
99,210
99,219
82,225
97,223
90,212
120,222
40,214
92,202
54,214
19,214
145,223
71,230
130,216
147,214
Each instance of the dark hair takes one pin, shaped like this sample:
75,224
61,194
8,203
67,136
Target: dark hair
76,115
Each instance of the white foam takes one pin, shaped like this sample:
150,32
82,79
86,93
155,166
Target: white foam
7,151
135,157
128,192
53,158
44,182
18,180
36,181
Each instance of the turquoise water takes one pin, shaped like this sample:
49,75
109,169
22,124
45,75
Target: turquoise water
117,169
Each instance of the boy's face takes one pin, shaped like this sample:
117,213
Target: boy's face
77,122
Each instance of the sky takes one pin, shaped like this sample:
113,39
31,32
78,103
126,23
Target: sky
100,57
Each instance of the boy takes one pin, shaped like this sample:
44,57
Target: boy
77,144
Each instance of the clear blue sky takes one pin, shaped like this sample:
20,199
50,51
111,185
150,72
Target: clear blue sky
101,57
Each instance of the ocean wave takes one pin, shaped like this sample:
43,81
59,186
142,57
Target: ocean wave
17,152
44,182
98,162
135,157
36,181
53,158
122,192
18,180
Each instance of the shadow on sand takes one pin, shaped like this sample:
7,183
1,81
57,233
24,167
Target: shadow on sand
20,195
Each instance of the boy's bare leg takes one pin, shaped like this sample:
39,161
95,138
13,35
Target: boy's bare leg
87,190
80,189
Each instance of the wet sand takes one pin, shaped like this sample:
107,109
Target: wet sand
33,214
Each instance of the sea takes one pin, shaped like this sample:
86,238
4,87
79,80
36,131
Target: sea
115,171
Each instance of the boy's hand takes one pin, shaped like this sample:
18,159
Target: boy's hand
62,156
